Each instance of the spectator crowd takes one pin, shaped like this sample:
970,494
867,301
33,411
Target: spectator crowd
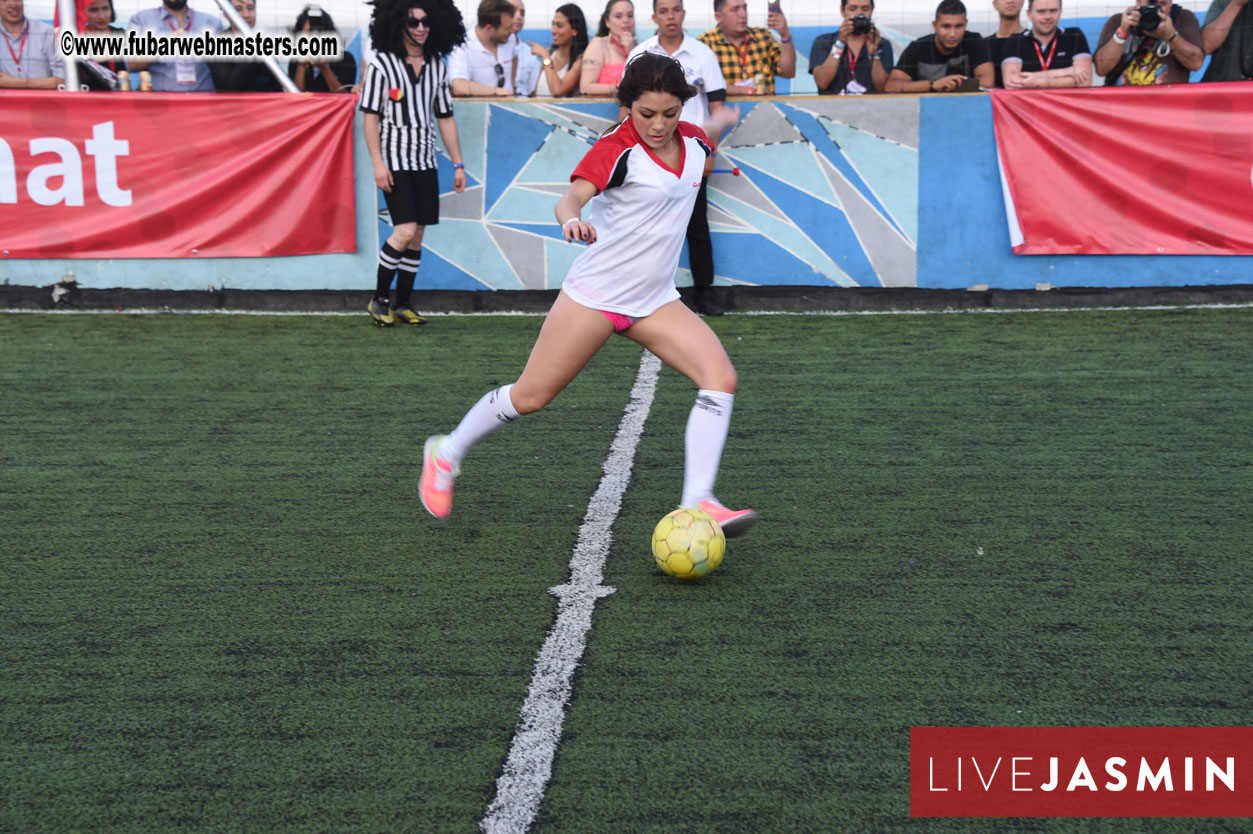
1153,43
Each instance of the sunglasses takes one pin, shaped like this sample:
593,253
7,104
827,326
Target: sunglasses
418,22
500,76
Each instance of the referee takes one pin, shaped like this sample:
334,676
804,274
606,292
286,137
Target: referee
405,96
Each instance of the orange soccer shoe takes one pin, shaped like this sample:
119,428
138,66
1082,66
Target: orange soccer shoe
733,522
435,487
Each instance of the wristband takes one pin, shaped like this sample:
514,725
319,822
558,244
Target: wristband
788,39
1119,38
458,165
571,220
1172,37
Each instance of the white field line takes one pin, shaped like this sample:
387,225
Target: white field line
153,311
520,788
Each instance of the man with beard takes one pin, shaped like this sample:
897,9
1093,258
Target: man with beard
182,75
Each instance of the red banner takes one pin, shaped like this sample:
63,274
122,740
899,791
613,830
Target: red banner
175,175
1128,170
1081,771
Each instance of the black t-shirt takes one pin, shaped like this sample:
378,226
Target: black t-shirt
996,52
1061,52
243,77
923,61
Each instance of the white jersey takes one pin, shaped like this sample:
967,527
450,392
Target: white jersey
640,212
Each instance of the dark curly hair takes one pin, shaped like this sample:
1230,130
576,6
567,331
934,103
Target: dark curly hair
388,20
649,72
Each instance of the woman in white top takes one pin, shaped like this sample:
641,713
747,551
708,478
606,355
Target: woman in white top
641,180
561,65
606,55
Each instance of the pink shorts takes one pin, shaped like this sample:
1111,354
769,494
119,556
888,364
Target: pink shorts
619,321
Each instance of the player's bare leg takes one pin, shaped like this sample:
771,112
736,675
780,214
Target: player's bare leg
682,340
568,339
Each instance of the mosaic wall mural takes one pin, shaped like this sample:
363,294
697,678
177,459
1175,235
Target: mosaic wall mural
826,195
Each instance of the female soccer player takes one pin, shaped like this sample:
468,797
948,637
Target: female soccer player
641,179
404,96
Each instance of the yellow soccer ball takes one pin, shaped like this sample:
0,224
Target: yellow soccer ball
688,544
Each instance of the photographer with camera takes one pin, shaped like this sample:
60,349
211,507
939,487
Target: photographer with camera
1150,44
1047,57
854,60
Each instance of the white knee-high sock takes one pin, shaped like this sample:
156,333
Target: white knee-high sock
706,434
488,414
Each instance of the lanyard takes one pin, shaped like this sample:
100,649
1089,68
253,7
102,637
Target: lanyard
744,56
614,41
170,22
852,62
1044,65
17,56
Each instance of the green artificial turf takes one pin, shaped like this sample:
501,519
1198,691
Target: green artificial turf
222,608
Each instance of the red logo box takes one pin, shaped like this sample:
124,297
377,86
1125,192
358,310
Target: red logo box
1081,772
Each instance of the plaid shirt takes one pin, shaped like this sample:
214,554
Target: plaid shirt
760,57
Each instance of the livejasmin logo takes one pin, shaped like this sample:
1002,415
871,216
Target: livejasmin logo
1080,771
58,178
1150,778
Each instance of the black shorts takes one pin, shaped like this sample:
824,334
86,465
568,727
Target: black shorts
414,197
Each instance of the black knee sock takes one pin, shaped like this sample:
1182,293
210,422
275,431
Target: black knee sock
389,259
406,274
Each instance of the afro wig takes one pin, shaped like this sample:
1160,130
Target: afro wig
388,21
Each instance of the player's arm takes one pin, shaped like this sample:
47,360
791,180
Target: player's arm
569,211
370,127
452,144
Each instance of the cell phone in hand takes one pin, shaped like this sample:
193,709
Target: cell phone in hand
774,7
970,85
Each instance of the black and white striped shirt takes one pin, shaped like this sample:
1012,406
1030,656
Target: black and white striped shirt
407,109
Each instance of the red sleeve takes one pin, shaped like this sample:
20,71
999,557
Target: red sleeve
687,129
597,165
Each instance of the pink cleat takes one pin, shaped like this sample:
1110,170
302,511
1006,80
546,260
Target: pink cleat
435,488
733,522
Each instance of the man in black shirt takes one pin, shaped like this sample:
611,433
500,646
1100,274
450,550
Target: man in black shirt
1009,12
942,62
1045,57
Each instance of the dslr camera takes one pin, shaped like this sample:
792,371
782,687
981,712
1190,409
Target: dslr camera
862,25
1150,17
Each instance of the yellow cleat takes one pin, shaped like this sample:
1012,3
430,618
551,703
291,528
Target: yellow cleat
381,313
407,315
